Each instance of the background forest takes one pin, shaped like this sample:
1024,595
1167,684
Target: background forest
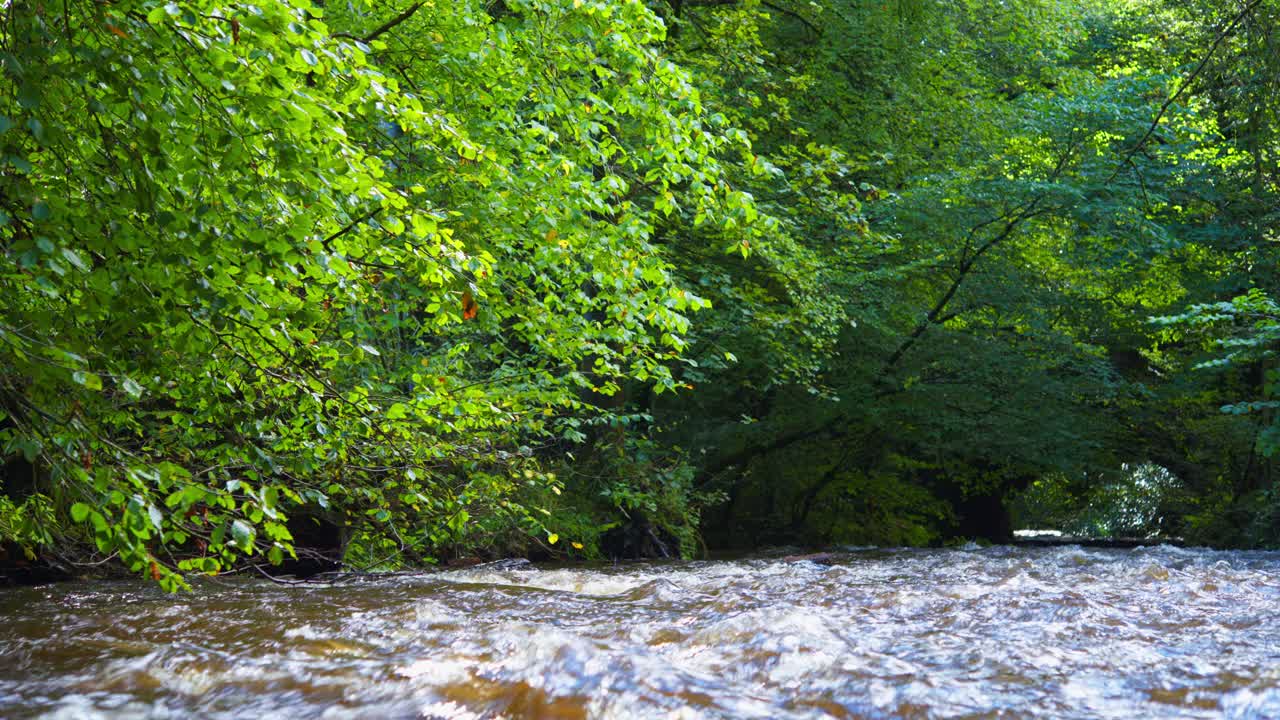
408,282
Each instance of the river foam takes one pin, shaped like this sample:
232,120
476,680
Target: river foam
970,632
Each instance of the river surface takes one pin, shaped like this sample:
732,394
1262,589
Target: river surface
964,633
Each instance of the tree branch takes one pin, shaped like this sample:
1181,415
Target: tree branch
1186,83
384,27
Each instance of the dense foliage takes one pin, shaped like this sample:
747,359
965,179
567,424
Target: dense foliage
424,280
1029,215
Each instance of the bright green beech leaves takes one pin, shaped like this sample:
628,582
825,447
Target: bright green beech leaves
269,266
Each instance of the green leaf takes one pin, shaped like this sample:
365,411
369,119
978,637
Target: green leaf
155,515
79,512
74,258
131,387
87,379
242,533
29,96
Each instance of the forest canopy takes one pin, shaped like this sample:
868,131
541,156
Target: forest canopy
384,284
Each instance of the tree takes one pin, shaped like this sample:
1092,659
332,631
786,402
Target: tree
264,263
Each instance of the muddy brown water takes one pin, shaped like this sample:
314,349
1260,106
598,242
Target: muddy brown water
963,633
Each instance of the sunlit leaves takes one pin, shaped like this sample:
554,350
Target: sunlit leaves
261,270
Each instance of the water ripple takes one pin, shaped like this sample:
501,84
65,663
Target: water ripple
966,633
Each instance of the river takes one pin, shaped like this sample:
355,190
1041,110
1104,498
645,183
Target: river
960,633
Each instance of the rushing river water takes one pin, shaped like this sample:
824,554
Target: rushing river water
971,633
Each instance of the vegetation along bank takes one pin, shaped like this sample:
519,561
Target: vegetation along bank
290,282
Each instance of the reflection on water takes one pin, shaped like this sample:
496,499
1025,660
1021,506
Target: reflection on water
972,633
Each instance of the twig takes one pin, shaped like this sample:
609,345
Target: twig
384,27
